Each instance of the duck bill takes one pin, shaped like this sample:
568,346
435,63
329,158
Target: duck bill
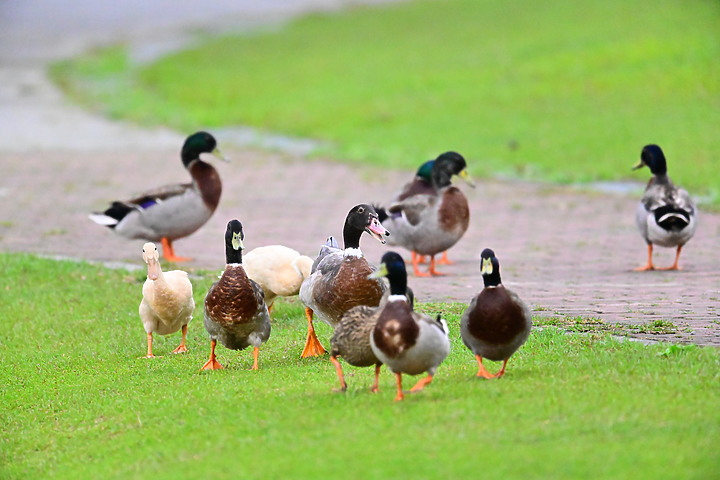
219,155
153,269
377,230
382,271
465,176
639,165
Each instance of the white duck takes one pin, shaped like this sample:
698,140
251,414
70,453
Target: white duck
279,270
167,304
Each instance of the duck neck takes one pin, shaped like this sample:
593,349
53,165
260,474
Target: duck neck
398,285
351,236
233,256
492,279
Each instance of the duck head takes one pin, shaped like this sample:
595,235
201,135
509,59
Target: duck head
652,157
234,246
362,218
448,164
392,266
490,268
151,256
197,143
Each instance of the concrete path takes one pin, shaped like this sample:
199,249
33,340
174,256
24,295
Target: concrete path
567,252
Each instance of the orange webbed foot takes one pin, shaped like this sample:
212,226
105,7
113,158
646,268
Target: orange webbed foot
180,349
313,347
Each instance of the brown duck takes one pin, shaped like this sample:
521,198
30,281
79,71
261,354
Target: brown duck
235,311
497,322
339,278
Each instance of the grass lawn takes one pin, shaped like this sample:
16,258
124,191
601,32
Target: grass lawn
79,403
556,90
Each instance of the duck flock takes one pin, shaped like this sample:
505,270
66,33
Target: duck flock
369,308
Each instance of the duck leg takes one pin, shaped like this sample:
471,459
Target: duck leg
482,371
422,383
182,348
675,266
649,264
149,347
256,354
398,380
415,262
338,370
169,253
421,258
374,387
444,260
212,363
502,370
432,267
313,347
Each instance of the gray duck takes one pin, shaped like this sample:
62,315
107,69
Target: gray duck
666,214
428,221
174,211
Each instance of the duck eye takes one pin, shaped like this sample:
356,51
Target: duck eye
361,210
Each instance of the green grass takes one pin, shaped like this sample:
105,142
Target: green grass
560,91
79,403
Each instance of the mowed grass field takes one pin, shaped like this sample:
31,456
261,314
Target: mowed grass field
554,91
78,402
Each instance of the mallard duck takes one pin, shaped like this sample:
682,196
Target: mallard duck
167,304
351,338
339,278
666,215
173,211
406,341
279,270
235,310
430,222
497,322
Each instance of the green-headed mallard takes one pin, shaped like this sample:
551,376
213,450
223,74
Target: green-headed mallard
497,322
167,304
173,211
339,279
430,221
406,341
666,215
235,311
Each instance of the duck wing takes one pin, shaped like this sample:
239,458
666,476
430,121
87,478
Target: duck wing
414,208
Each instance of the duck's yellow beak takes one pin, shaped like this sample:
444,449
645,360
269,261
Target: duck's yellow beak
487,267
237,242
464,175
218,154
639,165
382,271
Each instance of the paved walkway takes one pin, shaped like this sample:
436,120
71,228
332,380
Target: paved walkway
567,252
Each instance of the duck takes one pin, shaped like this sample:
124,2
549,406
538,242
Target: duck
279,270
174,211
666,215
167,304
497,322
406,341
339,277
235,309
430,221
351,337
